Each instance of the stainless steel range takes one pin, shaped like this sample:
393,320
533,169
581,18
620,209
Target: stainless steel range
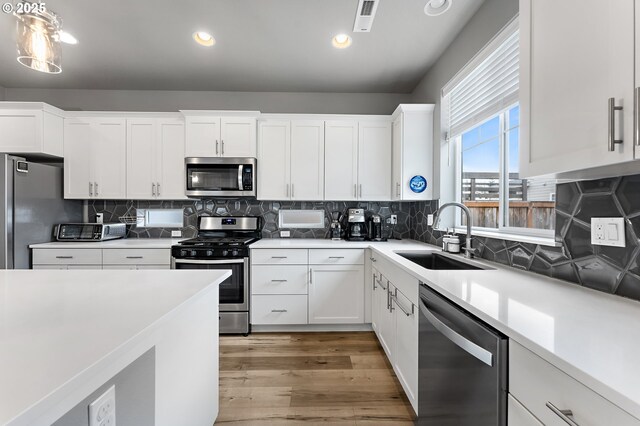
223,243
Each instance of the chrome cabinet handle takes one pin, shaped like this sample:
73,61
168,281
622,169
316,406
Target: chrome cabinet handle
64,257
153,189
158,189
389,304
397,189
636,117
375,278
135,257
465,344
565,415
360,190
278,257
612,124
336,257
395,299
278,281
373,259
355,190
96,185
217,147
287,190
292,191
278,310
310,276
90,189
380,283
223,147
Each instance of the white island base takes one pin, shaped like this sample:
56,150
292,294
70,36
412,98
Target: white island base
66,334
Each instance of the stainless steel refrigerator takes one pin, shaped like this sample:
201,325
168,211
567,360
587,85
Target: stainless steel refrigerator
32,203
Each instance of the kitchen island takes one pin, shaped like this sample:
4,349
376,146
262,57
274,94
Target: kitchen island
66,334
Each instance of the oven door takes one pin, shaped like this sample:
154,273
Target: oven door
234,291
220,177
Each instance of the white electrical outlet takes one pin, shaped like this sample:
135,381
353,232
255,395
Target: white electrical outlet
285,234
608,231
430,220
394,219
176,234
102,411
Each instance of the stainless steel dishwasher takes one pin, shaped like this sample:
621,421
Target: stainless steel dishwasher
462,366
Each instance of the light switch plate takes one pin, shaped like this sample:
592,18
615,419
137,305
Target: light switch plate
176,234
102,411
285,234
430,220
608,231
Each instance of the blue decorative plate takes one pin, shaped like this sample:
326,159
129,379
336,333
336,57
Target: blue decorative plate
418,184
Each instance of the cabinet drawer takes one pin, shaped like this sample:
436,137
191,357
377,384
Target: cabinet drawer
286,279
279,309
536,383
517,415
67,256
336,257
136,256
279,256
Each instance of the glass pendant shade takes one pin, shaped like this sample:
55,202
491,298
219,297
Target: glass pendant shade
38,42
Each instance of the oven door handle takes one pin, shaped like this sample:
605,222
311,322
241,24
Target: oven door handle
208,262
476,351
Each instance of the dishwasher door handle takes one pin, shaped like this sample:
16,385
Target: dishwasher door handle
470,347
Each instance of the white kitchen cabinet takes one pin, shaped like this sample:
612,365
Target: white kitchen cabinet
89,258
155,159
336,294
341,160
517,415
374,165
95,158
386,333
29,128
307,160
219,136
412,151
375,290
291,160
569,69
405,352
274,159
287,309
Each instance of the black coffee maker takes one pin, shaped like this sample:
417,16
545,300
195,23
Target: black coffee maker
374,228
356,229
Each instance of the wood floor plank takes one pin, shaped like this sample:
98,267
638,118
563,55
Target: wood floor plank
255,397
371,362
346,396
301,348
267,378
286,362
280,415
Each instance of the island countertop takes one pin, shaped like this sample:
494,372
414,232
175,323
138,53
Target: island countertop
57,328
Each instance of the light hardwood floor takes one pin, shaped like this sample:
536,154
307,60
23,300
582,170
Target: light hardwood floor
309,378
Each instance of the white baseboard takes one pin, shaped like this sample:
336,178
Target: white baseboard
309,328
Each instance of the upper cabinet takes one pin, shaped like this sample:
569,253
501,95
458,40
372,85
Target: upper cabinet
211,135
95,158
155,158
412,153
291,160
576,85
31,128
357,160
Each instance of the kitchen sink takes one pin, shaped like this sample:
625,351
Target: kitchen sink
437,261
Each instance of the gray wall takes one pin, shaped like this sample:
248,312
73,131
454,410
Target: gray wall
2,93
135,396
269,102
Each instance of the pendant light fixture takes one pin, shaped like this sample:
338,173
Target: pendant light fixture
38,38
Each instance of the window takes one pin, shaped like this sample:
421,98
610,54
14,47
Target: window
483,120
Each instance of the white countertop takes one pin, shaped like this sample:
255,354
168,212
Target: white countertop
122,243
591,335
58,327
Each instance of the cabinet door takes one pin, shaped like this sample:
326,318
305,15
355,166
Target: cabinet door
569,68
374,165
336,294
202,137
307,160
274,147
77,157
375,294
386,326
341,160
405,359
109,158
170,172
238,137
141,158
518,415
396,159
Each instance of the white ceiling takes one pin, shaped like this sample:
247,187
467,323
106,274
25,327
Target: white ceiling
262,45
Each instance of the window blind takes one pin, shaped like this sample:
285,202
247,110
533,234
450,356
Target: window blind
487,85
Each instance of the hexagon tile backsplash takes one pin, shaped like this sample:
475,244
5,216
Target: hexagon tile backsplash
609,269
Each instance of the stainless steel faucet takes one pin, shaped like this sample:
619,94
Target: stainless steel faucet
468,251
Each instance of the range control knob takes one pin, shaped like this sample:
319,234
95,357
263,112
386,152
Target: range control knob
183,252
225,252
234,253
194,253
209,253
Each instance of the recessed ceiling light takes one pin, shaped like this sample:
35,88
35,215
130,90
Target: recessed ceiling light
204,38
65,37
437,7
341,41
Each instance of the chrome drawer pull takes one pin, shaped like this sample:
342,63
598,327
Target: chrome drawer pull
565,415
612,125
336,257
278,257
373,259
135,257
278,310
64,257
395,299
278,281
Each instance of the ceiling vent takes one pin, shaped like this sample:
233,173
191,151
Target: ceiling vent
364,15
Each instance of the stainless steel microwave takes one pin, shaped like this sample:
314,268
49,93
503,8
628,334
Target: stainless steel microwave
220,177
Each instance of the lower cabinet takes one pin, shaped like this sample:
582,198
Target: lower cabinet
279,309
81,258
336,294
517,415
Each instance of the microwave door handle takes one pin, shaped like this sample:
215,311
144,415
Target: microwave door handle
240,186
